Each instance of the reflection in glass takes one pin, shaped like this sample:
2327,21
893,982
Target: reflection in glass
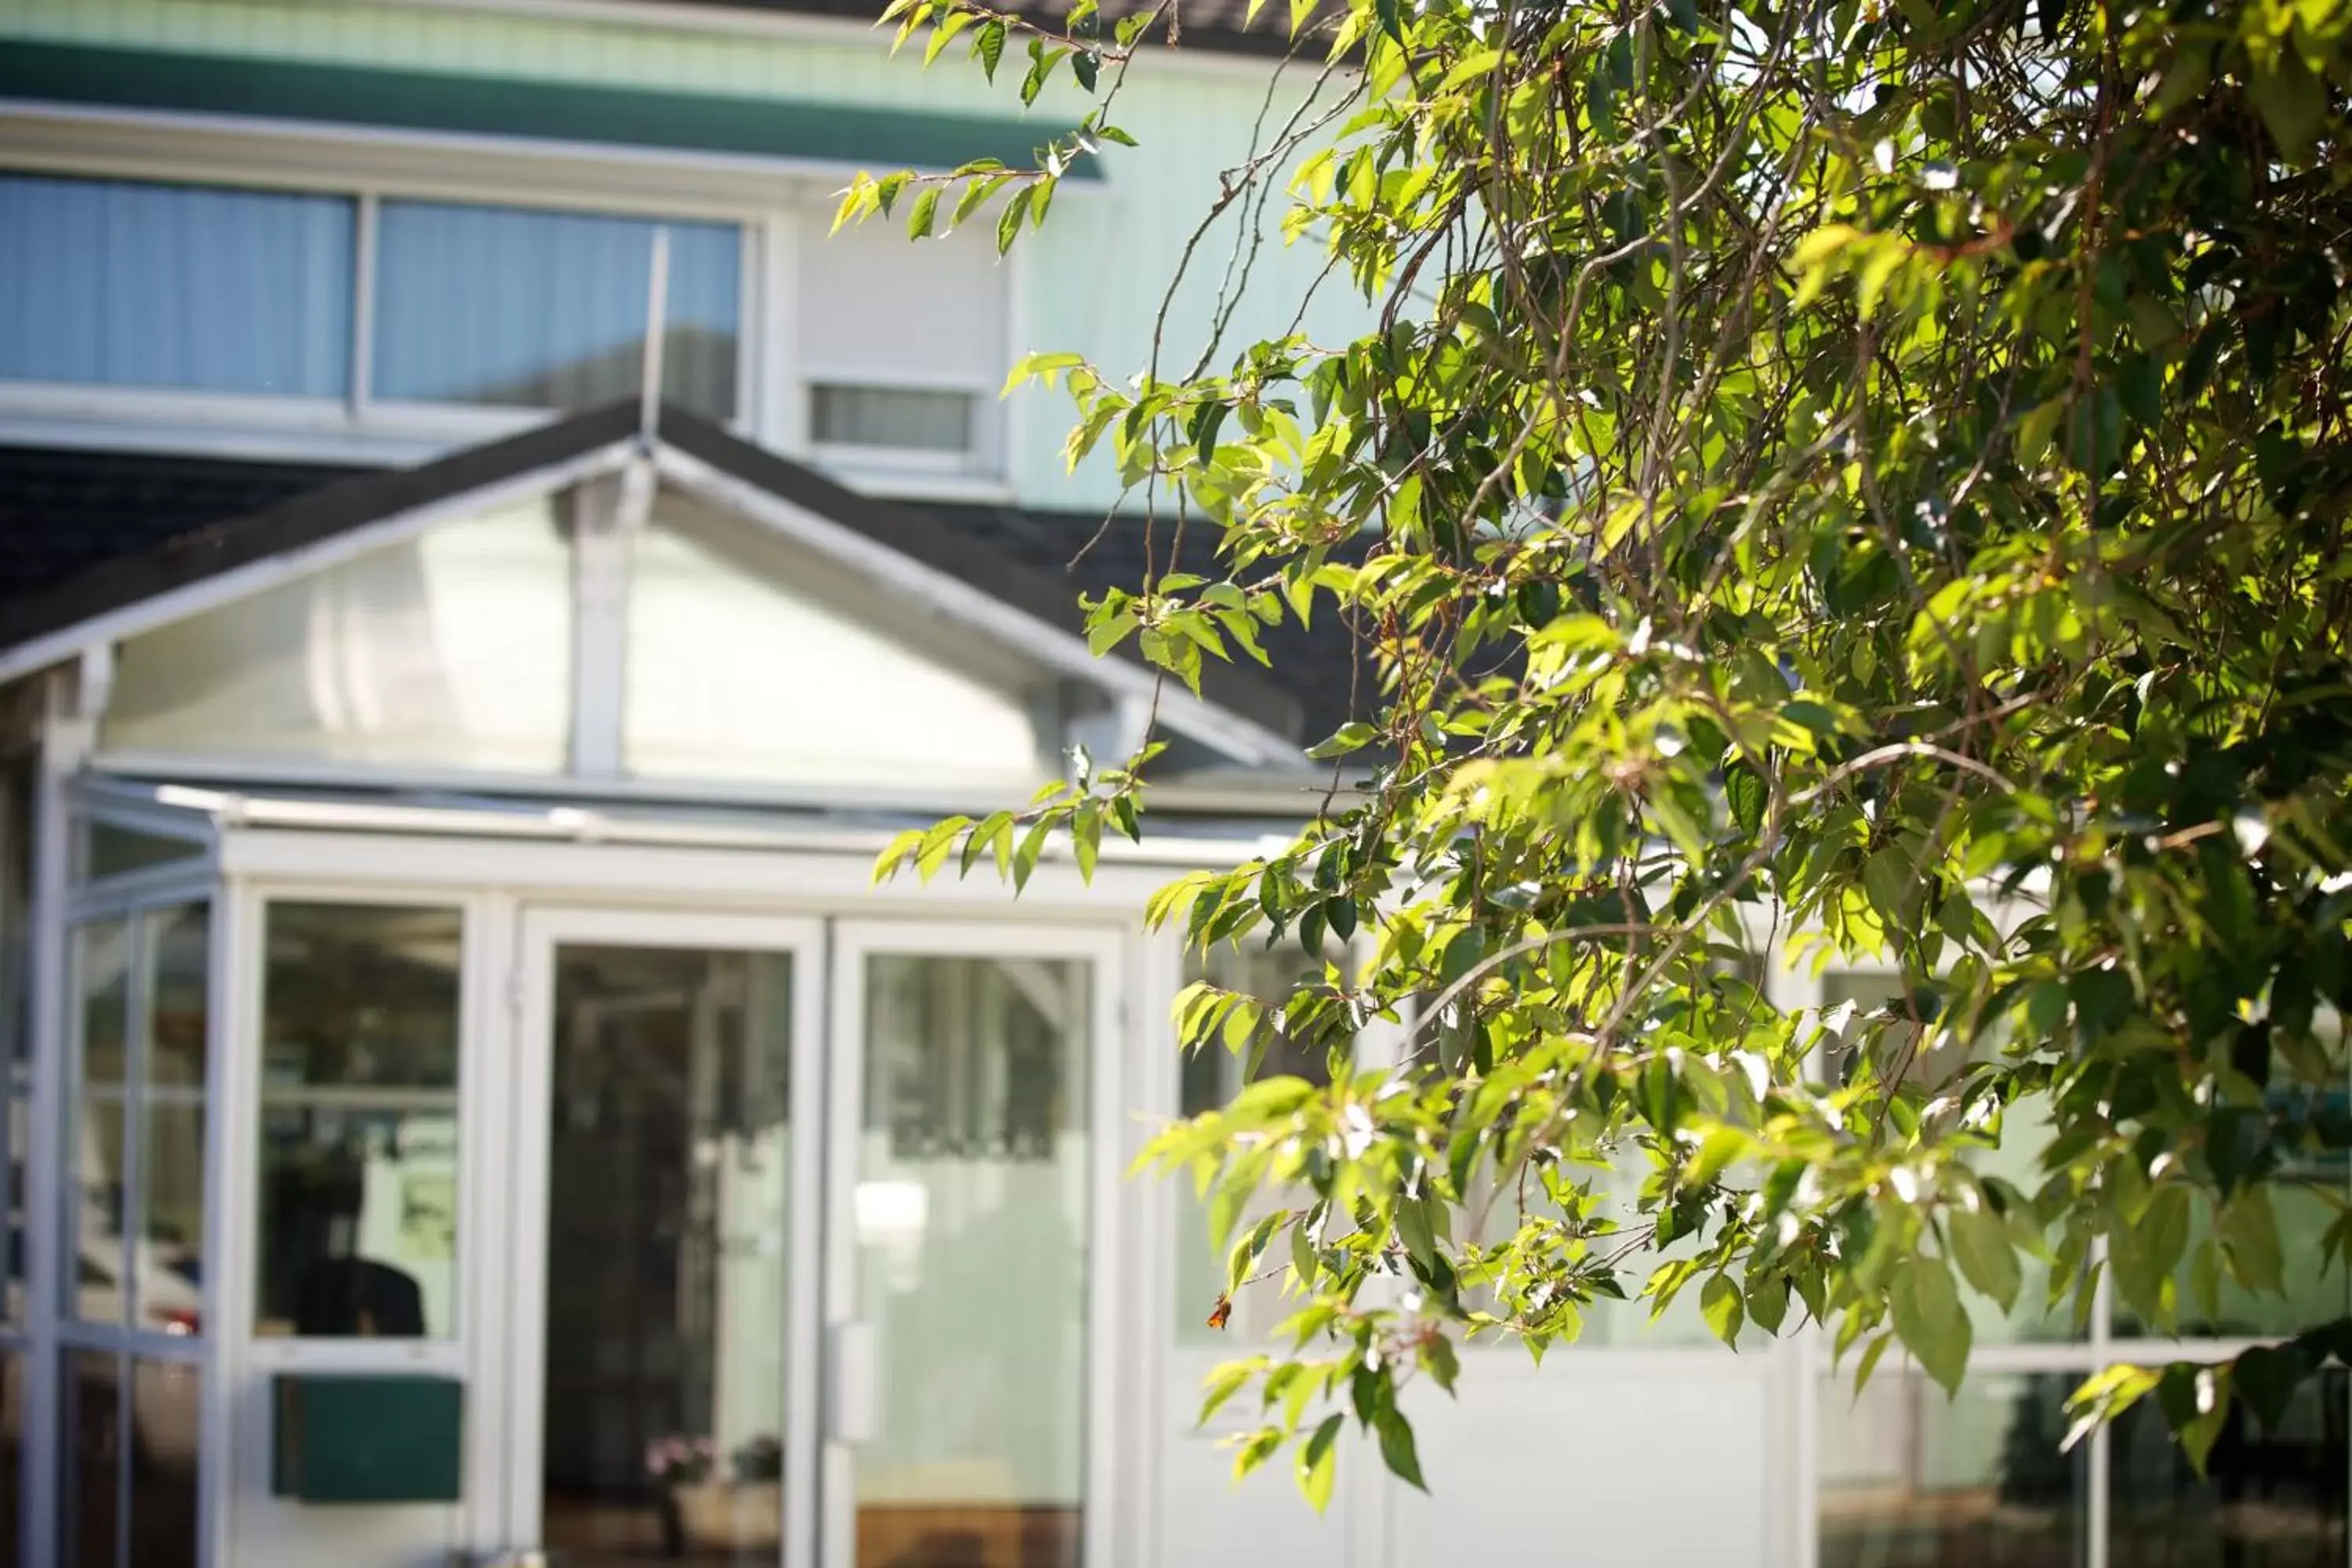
971,1213
18,775
1911,1479
164,1475
2269,1498
95,1288
669,1157
108,850
2025,1132
452,648
547,310
176,958
897,417
1209,1077
358,1121
90,1459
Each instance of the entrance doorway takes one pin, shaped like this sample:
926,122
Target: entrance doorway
805,1219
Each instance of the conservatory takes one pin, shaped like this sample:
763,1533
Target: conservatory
467,1101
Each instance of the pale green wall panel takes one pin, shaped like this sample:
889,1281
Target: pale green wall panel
1090,282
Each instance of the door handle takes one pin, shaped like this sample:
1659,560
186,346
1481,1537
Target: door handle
853,1389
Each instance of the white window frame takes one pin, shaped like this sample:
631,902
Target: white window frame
767,201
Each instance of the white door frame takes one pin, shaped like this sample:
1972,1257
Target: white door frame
523,1315
1102,947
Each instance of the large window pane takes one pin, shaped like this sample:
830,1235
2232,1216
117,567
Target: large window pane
90,1459
973,1166
751,661
546,310
1209,1077
361,1025
453,650
96,1288
198,288
2025,1133
669,1155
2270,1499
1912,1480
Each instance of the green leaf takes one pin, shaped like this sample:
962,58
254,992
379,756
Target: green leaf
1982,1245
988,46
927,207
1928,1316
1008,222
1397,1447
2292,103
1318,1463
1718,1303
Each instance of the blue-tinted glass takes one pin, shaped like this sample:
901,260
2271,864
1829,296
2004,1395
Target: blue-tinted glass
175,286
541,309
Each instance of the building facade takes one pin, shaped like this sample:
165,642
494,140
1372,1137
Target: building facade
463,1096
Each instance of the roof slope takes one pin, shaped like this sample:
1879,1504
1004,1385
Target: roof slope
83,533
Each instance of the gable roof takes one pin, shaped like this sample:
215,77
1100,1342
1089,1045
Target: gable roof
92,536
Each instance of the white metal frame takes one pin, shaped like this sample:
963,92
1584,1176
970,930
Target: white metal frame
522,1312
1107,1523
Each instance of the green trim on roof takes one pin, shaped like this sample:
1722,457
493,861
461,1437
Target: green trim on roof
491,106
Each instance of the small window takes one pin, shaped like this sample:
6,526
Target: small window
903,345
359,1121
891,419
192,288
547,310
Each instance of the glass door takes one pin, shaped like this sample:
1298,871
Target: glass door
666,1240
971,1157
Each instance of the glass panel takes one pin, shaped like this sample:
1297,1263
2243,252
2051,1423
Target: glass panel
106,851
169,1282
17,839
95,1284
175,286
453,649
2269,1498
970,1226
749,660
547,310
1912,1480
165,1400
12,1395
2025,1132
891,416
15,1130
361,1025
1209,1077
90,1459
668,1162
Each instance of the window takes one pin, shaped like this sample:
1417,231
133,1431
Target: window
747,659
358,1232
904,345
453,649
188,288
543,310
1209,1077
204,289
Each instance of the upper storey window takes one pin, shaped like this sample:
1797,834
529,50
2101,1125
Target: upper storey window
401,324
182,288
257,294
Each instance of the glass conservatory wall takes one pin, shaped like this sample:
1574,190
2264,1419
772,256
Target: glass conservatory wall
450,649
750,660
